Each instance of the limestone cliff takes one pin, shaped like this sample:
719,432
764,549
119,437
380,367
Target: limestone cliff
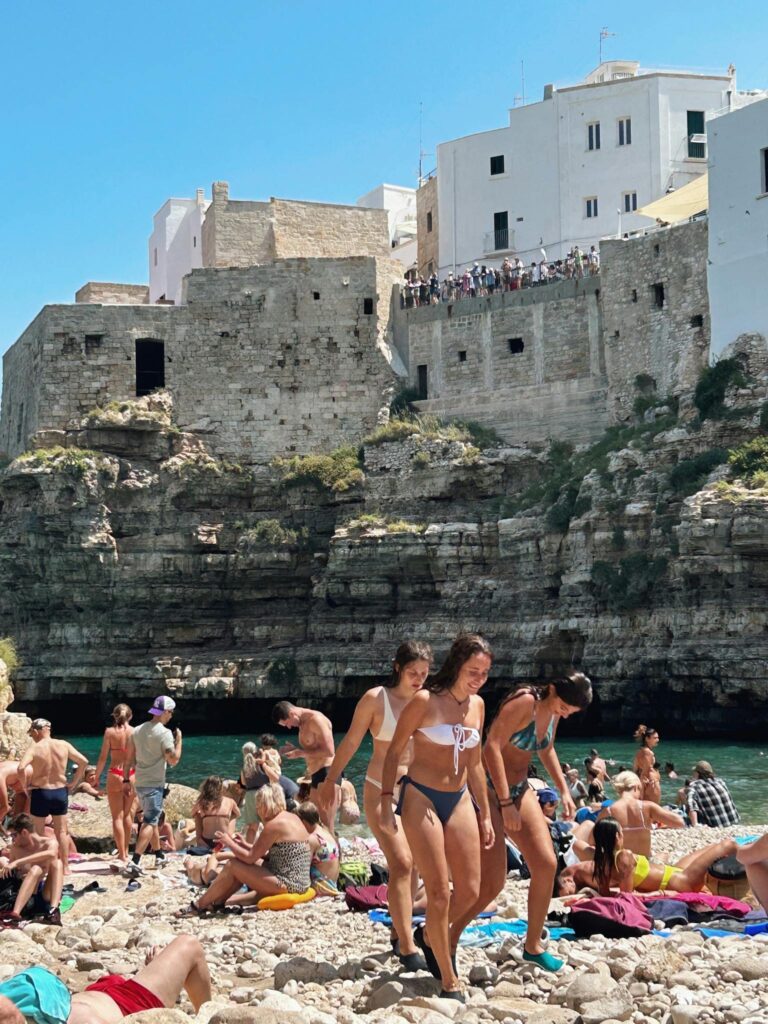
132,560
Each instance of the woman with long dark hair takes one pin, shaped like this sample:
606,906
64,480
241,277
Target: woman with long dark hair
526,724
444,722
616,867
378,712
119,797
645,763
213,812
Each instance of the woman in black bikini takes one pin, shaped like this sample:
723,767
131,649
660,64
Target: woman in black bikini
526,724
445,721
213,812
119,797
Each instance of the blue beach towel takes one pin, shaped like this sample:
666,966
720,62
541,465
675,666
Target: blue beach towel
379,916
493,933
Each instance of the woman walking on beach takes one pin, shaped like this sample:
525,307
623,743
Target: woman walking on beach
444,721
526,724
645,763
636,815
615,866
119,797
378,712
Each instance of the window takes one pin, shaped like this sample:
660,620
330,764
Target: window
764,170
421,373
316,296
150,366
155,257
462,356
20,425
497,165
634,294
625,131
194,241
516,346
429,220
367,306
591,207
92,342
501,230
593,135
697,320
630,202
658,295
697,139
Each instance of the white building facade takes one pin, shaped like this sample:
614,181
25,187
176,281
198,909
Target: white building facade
575,167
400,204
175,246
738,224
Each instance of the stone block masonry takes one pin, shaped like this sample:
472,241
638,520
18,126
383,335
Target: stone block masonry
109,292
266,360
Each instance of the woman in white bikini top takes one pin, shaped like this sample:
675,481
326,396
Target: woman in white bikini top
377,712
635,815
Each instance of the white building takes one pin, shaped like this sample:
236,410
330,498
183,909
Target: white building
738,224
400,204
175,245
574,167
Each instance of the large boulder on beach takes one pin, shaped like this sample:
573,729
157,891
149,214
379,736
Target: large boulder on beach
90,822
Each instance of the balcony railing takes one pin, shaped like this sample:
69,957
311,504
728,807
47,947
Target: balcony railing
499,241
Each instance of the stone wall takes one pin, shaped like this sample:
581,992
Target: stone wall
286,357
529,364
110,292
665,337
426,202
239,233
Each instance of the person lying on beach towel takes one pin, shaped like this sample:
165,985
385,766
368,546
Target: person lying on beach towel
615,867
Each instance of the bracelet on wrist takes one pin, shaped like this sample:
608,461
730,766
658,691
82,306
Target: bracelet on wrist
506,803
387,792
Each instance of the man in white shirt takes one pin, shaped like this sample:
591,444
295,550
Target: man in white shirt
151,748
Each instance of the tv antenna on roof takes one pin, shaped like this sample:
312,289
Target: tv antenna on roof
604,34
521,97
422,153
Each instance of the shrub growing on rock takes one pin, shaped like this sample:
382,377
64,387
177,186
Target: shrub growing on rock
713,384
750,458
338,471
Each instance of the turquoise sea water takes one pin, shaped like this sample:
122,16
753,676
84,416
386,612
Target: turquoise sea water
744,766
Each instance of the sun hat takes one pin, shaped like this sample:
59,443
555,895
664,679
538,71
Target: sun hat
161,705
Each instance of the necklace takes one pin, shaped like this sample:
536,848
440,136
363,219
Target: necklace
459,702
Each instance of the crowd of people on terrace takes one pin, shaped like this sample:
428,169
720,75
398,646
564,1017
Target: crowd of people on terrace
453,800
513,274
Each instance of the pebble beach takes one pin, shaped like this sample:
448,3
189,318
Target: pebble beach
319,963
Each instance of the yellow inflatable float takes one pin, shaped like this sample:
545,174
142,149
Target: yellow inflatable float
286,900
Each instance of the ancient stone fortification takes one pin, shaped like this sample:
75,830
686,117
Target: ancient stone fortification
289,356
562,360
108,291
240,233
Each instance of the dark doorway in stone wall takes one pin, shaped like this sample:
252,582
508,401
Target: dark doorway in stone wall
150,365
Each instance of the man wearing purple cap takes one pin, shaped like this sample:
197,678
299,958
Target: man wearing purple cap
151,749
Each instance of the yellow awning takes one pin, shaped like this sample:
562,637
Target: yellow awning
685,202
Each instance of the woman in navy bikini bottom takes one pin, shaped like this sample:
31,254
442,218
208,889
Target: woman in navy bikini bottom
525,725
444,722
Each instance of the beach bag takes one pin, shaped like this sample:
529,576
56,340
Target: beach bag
353,872
366,897
727,877
379,874
616,917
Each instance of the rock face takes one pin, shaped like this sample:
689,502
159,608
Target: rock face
135,563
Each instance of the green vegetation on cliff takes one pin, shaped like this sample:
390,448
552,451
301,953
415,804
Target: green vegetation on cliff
713,384
687,476
8,654
270,534
338,471
750,458
75,461
368,521
628,584
432,428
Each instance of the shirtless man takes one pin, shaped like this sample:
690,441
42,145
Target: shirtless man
317,748
9,779
49,791
110,999
32,859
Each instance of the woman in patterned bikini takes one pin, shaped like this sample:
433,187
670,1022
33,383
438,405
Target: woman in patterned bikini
120,797
377,712
526,724
444,721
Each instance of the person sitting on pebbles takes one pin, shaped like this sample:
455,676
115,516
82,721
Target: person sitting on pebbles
324,869
38,995
615,867
33,866
89,784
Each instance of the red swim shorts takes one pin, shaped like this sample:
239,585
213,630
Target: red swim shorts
126,993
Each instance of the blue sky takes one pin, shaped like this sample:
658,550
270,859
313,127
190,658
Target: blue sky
109,108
